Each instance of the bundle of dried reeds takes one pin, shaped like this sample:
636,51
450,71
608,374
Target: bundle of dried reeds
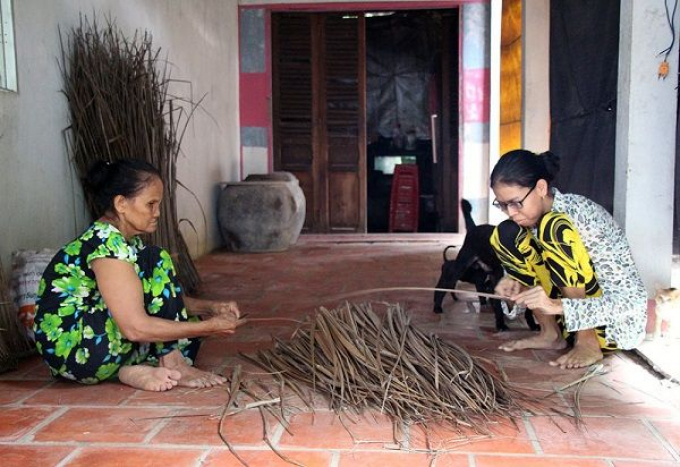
120,107
13,341
362,360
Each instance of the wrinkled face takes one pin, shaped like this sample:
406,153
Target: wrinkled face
524,205
140,214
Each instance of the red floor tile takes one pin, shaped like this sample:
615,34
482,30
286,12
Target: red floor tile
213,352
116,457
33,456
522,367
398,459
185,428
111,425
38,372
15,422
324,430
670,430
12,391
226,348
600,437
268,458
617,463
504,438
182,397
601,396
30,368
66,393
505,461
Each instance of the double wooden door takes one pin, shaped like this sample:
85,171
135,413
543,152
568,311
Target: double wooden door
319,114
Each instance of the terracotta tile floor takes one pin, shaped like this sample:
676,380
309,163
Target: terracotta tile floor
630,417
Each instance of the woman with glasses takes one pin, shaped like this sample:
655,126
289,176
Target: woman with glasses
566,259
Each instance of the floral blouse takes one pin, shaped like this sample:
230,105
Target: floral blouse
622,308
71,316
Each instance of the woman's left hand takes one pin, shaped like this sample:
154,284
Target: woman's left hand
225,308
536,299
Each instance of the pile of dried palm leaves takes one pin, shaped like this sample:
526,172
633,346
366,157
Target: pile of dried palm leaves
120,107
13,341
361,360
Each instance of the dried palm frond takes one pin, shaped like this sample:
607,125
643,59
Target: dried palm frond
120,107
360,360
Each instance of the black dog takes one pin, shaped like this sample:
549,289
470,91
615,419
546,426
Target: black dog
477,264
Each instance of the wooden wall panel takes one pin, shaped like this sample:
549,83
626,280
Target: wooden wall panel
292,66
307,184
344,215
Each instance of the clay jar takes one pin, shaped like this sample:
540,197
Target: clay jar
263,213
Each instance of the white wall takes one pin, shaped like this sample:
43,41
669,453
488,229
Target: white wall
309,2
645,139
536,75
40,206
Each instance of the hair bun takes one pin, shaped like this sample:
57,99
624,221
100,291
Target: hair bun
525,168
551,161
97,175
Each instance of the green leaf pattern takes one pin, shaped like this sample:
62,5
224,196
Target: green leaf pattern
75,332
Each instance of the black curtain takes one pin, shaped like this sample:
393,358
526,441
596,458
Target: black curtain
584,53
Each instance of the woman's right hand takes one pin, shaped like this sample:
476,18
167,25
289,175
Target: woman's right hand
508,287
225,323
225,308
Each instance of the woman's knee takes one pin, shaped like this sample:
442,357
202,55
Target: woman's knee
151,256
156,264
159,280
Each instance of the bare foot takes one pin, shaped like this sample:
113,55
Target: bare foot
586,351
149,378
542,341
190,377
195,378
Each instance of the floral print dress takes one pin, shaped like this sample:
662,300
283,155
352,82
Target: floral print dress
75,332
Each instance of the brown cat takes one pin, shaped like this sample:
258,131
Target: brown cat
667,309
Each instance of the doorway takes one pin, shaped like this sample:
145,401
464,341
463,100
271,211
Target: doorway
412,113
353,95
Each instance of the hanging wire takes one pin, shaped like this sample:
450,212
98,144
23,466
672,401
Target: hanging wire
670,17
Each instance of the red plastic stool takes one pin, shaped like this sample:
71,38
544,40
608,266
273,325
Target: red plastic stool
404,199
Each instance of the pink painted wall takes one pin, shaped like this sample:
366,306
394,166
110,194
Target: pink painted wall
475,96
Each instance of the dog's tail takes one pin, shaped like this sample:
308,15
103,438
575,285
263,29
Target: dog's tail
447,249
466,207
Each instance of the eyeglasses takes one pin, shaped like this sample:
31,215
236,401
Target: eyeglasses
513,204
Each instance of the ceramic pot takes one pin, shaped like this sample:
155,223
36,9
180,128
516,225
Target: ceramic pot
263,213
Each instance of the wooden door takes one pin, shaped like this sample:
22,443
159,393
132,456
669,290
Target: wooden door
292,102
319,115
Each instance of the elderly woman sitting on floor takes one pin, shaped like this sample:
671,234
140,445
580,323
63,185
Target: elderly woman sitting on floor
110,306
